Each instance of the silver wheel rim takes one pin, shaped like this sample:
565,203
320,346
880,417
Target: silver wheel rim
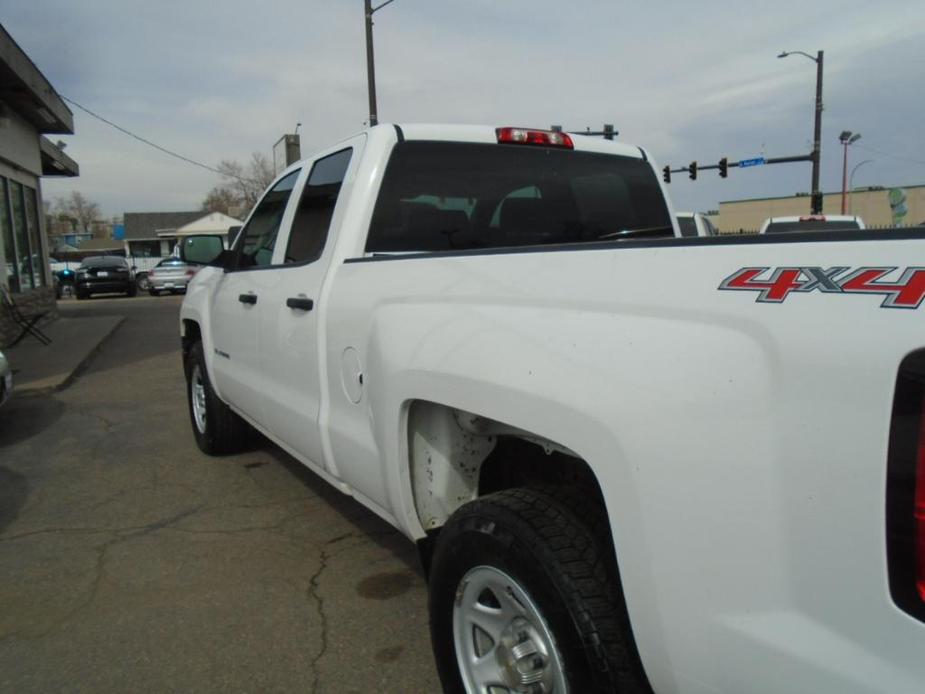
198,398
503,644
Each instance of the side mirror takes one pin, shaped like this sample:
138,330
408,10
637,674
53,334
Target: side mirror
232,233
203,250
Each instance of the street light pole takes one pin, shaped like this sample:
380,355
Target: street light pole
851,184
370,63
817,129
846,138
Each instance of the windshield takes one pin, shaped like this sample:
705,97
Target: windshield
439,196
811,225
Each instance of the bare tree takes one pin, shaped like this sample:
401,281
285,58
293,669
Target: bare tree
221,199
241,185
78,210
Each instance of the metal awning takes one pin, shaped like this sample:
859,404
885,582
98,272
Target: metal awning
54,161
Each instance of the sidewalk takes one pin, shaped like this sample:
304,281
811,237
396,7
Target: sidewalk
52,367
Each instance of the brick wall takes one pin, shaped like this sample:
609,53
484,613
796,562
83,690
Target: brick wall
32,302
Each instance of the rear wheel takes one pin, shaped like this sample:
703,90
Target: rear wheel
82,295
218,430
524,599
152,291
143,283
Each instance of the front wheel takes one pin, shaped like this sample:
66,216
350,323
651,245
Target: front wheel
143,283
218,430
524,599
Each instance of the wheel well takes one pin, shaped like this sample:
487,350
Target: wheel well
191,335
457,456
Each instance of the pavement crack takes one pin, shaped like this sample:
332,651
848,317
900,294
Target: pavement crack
315,597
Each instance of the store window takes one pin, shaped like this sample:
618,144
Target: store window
34,233
6,230
21,236
21,233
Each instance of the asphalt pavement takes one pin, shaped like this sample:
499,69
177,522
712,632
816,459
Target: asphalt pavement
131,562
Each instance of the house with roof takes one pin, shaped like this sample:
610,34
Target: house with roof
154,234
30,108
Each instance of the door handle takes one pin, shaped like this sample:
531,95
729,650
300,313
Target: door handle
300,303
247,298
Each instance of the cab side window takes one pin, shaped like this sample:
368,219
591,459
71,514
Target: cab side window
316,207
258,238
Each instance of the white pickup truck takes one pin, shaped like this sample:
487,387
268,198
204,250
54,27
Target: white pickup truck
632,462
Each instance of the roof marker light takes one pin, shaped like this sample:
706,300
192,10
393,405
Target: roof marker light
527,136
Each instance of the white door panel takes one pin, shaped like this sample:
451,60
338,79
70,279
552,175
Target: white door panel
290,338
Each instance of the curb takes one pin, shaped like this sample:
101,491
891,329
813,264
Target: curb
85,362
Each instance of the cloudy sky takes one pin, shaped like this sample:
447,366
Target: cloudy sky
687,80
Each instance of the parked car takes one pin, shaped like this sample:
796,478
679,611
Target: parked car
626,463
813,222
170,275
695,224
104,274
6,379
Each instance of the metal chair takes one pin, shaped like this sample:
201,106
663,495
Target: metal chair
26,324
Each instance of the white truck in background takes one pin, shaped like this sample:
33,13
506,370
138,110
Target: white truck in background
632,462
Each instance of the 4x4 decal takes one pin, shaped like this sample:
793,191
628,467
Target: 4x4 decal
774,285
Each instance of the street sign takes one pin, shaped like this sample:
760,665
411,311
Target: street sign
758,161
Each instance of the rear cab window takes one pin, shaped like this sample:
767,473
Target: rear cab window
445,196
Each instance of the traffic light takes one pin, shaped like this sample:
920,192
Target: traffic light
693,170
666,174
723,167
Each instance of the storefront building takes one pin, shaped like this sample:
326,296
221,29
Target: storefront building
29,109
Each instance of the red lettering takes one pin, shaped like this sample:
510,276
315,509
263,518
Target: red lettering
908,292
776,289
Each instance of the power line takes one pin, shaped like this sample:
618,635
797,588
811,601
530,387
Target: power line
152,144
887,154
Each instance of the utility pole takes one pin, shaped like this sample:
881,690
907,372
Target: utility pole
817,138
370,63
816,155
370,67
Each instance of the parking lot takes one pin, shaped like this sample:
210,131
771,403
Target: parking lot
132,562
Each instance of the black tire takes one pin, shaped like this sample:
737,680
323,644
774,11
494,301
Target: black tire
132,290
565,566
153,291
82,295
224,432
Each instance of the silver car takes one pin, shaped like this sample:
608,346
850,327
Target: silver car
170,275
6,379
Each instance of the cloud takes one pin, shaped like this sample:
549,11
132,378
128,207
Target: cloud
685,80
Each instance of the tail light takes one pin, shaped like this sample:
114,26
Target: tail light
905,505
190,272
526,136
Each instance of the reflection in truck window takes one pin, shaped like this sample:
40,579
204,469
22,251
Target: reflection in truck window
316,207
261,230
